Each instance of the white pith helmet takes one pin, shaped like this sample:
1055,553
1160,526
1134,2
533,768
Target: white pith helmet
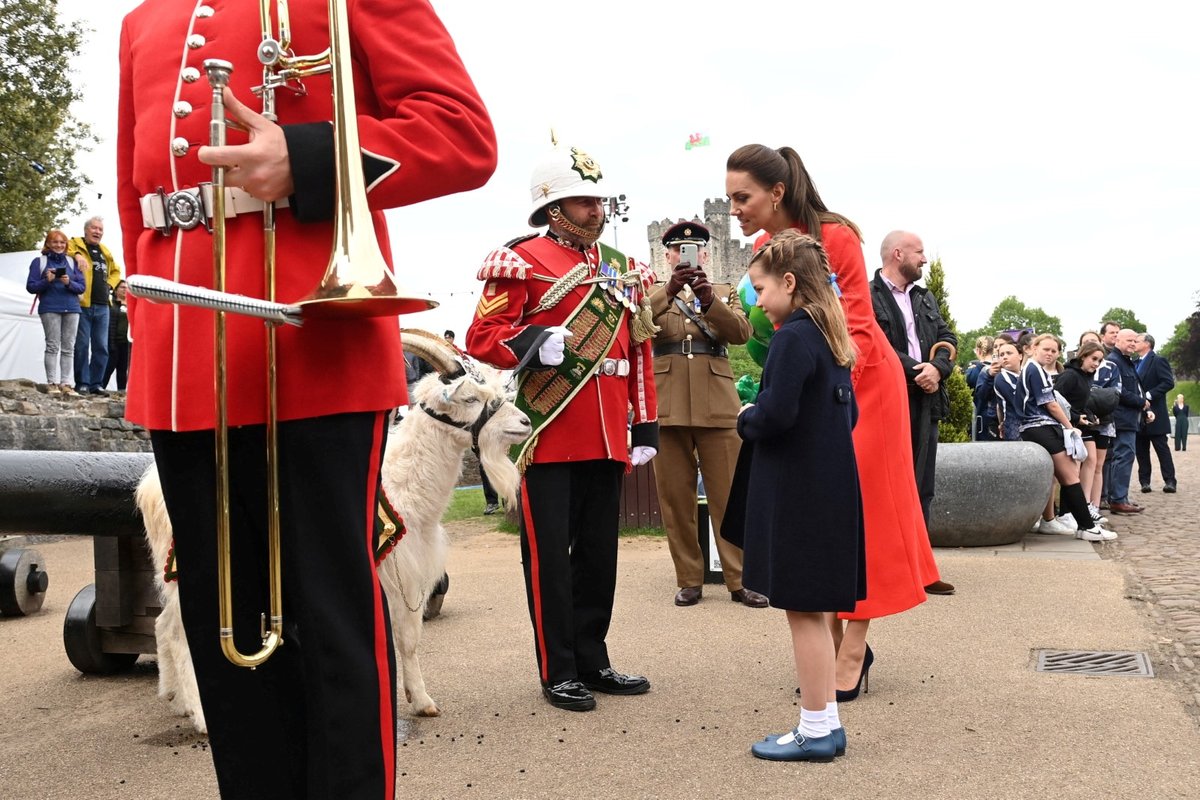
566,172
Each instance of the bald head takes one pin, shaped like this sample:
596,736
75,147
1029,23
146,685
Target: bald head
903,256
1127,341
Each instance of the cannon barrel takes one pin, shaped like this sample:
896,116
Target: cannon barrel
47,491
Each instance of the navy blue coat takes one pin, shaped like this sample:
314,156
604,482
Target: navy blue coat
795,506
1128,416
1157,380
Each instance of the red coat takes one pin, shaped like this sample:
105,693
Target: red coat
593,424
899,559
422,126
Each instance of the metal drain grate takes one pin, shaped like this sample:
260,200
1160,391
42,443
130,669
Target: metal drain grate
1095,662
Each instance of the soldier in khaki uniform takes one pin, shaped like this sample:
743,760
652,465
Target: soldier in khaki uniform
697,410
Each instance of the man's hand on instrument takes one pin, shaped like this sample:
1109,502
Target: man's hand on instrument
262,166
702,288
680,277
642,455
927,377
551,351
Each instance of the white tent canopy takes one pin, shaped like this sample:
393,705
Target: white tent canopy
22,342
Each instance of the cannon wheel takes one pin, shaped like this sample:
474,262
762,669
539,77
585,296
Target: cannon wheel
23,582
81,638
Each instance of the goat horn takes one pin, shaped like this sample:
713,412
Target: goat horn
431,347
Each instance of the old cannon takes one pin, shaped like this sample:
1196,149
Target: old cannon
109,622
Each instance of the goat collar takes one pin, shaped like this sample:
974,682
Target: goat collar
488,412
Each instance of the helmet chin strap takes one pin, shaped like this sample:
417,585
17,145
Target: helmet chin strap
569,230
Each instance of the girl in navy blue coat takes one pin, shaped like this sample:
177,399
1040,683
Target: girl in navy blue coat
57,281
800,451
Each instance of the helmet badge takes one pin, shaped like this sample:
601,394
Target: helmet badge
585,165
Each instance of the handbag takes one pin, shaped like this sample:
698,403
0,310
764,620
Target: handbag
1102,400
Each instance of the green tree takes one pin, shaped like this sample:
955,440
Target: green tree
1123,317
1185,346
1012,314
936,283
956,425
1178,338
39,180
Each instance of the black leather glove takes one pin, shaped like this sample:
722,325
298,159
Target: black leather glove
702,289
680,277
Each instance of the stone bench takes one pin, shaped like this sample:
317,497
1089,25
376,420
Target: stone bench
988,493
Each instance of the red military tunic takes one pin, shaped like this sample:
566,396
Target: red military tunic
593,425
423,130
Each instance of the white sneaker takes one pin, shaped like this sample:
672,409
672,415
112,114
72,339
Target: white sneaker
1097,517
1068,520
1053,526
1095,534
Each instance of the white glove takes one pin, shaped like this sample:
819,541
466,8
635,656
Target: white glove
551,351
642,455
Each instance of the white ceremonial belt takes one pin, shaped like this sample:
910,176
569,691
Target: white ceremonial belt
188,208
613,367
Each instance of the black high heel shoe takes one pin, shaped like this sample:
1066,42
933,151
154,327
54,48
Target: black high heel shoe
863,680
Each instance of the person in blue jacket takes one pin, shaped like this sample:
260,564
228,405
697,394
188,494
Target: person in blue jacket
57,281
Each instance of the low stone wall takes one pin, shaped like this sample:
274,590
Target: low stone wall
31,419
988,493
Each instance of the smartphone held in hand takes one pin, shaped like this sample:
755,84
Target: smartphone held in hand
689,255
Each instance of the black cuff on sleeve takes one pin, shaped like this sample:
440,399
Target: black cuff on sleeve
644,434
523,342
310,150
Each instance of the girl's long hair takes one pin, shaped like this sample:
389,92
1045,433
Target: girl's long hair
805,258
769,166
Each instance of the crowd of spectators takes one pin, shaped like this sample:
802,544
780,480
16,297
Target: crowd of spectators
1095,410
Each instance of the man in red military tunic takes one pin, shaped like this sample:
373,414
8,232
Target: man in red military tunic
318,718
571,315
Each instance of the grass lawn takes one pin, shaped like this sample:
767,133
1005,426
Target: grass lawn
468,504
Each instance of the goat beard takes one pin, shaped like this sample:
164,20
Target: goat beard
501,472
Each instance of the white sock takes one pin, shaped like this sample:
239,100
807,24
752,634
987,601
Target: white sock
813,724
831,714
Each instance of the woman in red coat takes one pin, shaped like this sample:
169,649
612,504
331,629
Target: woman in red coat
770,190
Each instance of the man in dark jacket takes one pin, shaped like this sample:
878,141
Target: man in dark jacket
1157,379
909,316
1127,419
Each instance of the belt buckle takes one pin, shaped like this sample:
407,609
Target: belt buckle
686,346
185,209
608,367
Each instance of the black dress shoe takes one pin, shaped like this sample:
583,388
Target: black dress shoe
689,595
939,587
1169,489
1146,489
570,695
749,597
609,681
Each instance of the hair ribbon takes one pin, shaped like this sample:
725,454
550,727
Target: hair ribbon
833,281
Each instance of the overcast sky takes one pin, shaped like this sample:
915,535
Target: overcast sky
1042,149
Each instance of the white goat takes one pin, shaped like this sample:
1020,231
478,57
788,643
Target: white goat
466,404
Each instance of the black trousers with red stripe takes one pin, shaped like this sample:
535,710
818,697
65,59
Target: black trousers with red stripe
317,720
569,553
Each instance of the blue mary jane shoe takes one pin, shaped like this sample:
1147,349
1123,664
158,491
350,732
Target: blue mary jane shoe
838,734
822,748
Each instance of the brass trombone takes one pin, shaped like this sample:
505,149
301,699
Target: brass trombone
357,282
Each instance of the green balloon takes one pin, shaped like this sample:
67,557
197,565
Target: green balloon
761,327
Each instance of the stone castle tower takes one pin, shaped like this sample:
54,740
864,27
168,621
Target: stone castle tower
727,258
